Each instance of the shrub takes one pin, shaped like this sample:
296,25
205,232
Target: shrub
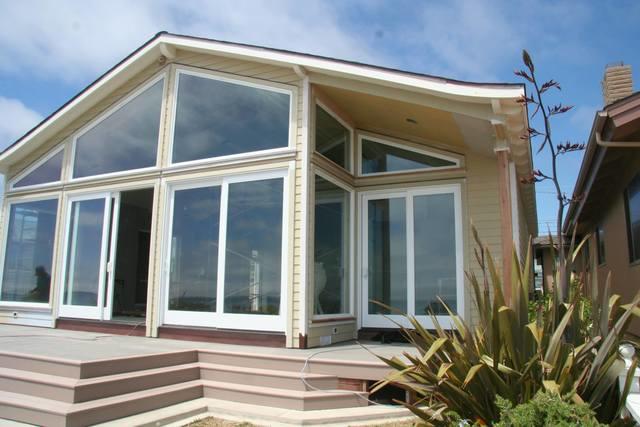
506,354
545,410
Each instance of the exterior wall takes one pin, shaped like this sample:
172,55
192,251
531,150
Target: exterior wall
612,218
483,211
625,275
478,179
241,69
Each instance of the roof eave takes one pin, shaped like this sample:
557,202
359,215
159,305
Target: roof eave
151,50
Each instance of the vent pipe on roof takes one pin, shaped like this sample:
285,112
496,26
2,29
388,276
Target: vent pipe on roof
617,82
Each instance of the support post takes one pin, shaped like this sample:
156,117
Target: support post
506,228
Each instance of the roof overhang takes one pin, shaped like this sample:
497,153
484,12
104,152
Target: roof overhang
494,102
601,158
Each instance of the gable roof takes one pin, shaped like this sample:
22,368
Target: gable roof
165,42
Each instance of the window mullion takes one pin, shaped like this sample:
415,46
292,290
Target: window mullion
222,247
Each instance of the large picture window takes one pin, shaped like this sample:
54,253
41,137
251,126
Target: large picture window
194,249
632,201
331,248
225,254
26,272
215,117
125,139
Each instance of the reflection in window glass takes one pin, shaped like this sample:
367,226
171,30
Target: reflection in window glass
125,140
84,252
378,157
216,118
194,250
332,139
435,253
331,248
633,217
49,171
387,255
29,251
254,247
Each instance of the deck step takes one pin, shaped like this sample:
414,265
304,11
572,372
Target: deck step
70,390
289,380
49,412
281,398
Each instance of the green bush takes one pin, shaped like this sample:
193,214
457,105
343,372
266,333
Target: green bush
566,348
545,410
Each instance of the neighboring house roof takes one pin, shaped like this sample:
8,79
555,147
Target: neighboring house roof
496,103
618,120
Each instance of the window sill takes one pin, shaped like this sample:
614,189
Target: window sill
346,318
8,305
276,154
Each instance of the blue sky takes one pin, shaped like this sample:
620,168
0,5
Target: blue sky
50,50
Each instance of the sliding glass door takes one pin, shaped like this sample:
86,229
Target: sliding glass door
225,255
411,255
88,251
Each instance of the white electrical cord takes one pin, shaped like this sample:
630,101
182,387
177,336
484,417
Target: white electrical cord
358,394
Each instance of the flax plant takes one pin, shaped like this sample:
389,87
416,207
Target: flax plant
505,354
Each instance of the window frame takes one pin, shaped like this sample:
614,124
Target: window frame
634,258
408,194
106,114
35,165
4,240
220,319
238,80
318,103
392,142
351,256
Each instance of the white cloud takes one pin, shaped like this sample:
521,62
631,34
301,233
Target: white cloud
467,40
79,40
18,119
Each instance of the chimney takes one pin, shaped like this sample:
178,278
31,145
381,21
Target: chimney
617,82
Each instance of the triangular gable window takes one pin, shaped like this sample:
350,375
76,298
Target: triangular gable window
125,139
380,157
47,172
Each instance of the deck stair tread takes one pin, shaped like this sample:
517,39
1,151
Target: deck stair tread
272,391
265,372
61,408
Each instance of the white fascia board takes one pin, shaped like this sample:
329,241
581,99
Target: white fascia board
434,85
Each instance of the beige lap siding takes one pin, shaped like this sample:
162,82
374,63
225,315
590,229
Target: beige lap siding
483,208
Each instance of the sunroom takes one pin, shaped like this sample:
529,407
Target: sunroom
238,197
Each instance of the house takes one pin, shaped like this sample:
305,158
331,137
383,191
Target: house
608,186
217,191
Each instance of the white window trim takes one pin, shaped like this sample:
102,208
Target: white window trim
34,166
352,265
383,321
392,143
242,81
219,319
329,110
105,115
5,238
